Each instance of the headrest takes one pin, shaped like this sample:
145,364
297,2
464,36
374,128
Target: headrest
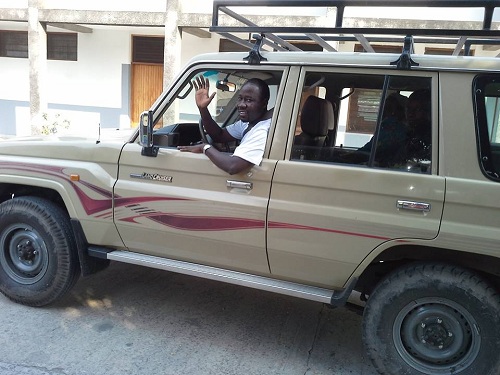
316,116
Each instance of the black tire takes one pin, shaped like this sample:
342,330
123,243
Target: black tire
38,257
433,319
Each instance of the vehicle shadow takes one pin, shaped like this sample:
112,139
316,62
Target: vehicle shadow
187,325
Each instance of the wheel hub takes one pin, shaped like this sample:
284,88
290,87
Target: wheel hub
26,251
434,333
23,254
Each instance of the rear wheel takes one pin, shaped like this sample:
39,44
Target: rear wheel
38,258
433,319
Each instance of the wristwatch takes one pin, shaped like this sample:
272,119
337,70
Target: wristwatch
205,148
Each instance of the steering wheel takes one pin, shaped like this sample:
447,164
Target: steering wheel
203,133
205,137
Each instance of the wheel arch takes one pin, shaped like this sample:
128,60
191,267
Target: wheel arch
47,189
88,265
397,256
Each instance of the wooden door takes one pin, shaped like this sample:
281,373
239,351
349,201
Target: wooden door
146,87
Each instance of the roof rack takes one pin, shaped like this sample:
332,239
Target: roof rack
279,37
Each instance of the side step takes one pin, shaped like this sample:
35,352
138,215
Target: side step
332,297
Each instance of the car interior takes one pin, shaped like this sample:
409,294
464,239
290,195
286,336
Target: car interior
186,129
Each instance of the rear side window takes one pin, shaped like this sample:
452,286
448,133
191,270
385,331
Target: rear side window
374,121
487,114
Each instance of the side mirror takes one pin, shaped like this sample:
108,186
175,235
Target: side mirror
146,129
146,134
225,85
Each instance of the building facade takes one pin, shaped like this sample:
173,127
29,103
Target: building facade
100,64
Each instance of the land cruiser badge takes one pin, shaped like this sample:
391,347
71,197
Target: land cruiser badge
151,176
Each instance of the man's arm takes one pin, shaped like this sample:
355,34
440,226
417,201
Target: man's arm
228,163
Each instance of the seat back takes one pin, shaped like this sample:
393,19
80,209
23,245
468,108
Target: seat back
315,119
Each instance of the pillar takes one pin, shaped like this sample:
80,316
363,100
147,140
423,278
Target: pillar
172,55
37,50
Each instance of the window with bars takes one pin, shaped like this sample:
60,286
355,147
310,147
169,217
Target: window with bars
363,110
60,46
14,44
148,50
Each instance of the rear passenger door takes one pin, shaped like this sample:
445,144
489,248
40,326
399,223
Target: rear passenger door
368,179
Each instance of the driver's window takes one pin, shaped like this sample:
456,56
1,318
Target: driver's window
180,120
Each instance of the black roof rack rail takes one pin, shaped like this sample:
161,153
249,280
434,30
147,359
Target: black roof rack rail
279,37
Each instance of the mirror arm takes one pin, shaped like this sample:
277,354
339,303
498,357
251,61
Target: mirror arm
150,151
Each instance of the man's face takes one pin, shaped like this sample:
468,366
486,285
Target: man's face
250,105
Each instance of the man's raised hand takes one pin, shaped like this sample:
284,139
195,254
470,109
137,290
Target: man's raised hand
202,87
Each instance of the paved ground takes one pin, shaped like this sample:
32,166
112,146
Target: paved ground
133,320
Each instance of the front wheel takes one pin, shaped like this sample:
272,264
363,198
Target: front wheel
433,319
38,259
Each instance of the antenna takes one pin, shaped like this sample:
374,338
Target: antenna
99,136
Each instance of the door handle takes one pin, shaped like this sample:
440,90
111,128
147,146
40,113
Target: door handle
414,206
239,184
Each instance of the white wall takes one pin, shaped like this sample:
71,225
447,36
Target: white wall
206,6
91,91
14,3
421,13
193,46
81,89
14,76
93,79
111,5
15,88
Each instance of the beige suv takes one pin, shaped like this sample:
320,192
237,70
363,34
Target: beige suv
377,177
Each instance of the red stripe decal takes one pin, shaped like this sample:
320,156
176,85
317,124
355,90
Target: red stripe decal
276,225
201,223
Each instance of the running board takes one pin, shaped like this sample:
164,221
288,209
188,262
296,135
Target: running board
332,297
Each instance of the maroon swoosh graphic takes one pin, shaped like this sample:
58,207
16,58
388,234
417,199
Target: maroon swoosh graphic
276,225
119,202
200,223
192,223
90,205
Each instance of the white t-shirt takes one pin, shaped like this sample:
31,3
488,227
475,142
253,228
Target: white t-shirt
253,143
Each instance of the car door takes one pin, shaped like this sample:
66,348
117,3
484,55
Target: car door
179,205
331,205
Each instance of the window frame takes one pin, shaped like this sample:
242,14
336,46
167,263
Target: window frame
431,85
141,43
5,34
52,39
484,149
166,100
